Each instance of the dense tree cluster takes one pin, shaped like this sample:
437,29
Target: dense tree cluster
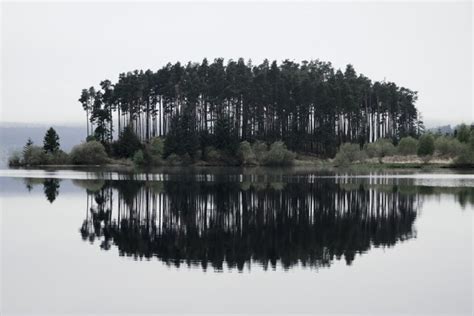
310,106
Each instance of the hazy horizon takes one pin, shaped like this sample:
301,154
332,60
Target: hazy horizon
50,51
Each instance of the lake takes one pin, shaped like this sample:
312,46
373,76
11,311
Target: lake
236,241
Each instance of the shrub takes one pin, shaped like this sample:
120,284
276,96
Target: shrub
385,147
173,159
34,155
279,155
447,146
138,158
186,159
211,154
15,159
426,145
466,157
341,160
347,154
58,158
371,150
143,157
462,133
352,151
157,146
90,153
198,154
246,154
407,146
380,148
260,150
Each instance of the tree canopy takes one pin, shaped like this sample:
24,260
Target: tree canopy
50,142
310,106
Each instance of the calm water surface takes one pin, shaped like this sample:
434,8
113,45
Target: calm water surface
232,240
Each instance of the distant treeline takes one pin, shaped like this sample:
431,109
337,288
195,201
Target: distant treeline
309,106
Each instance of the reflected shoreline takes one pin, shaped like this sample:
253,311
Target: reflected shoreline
237,221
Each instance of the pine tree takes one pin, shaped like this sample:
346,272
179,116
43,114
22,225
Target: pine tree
51,141
27,146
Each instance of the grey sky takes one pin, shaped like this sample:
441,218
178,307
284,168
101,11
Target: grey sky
51,51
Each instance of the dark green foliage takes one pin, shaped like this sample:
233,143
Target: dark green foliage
426,145
466,155
260,149
407,146
347,154
182,138
381,148
51,141
90,153
462,133
279,155
34,156
172,141
139,158
174,160
310,106
91,138
211,154
18,159
157,147
145,158
127,144
448,146
58,158
14,160
28,144
51,189
246,154
225,137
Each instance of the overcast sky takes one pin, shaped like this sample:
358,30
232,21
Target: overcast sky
52,51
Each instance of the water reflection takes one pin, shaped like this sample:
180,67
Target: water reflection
239,221
51,189
236,224
50,186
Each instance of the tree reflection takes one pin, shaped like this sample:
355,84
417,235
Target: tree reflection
51,189
50,186
238,224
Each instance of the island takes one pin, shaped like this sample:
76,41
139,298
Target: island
235,113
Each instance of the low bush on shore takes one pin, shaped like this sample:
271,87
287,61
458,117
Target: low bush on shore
380,149
89,153
128,149
32,155
348,154
410,150
407,146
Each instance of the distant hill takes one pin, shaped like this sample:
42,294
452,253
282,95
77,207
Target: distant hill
443,130
13,136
